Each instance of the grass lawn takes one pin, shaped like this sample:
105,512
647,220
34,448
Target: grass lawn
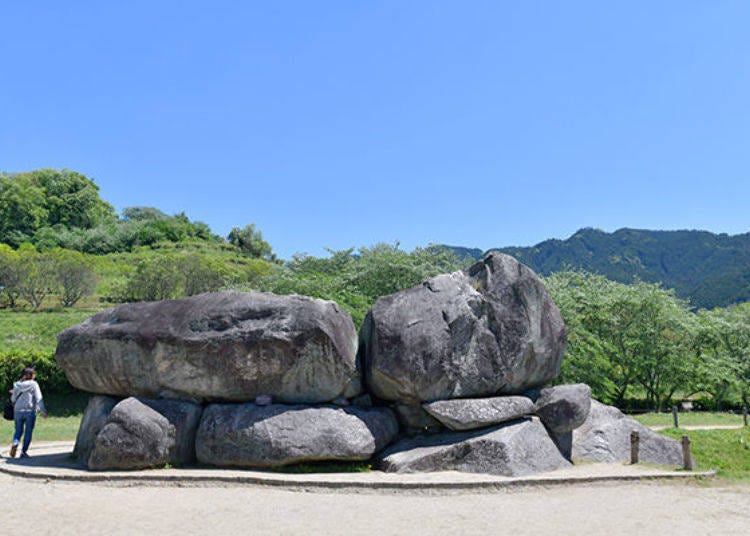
36,331
691,418
726,451
51,429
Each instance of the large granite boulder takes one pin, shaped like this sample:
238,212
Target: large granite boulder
470,413
563,408
94,418
184,416
134,437
247,435
491,329
225,346
605,437
515,448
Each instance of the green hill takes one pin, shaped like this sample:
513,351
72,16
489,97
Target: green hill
708,269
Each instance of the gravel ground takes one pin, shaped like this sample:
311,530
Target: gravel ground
609,508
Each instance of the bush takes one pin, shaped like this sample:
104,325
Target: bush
49,374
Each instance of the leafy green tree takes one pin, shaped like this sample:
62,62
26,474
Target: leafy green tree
22,208
11,274
46,198
724,349
621,336
157,278
72,199
74,276
250,241
37,276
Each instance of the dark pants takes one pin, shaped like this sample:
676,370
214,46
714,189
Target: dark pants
24,420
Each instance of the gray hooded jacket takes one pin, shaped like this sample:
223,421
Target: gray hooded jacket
27,396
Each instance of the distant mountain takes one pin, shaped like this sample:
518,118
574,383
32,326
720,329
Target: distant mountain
708,269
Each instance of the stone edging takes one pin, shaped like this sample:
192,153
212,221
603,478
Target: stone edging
485,483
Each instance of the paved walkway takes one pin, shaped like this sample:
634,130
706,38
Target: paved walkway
53,461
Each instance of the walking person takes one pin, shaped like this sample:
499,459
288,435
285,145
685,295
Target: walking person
27,400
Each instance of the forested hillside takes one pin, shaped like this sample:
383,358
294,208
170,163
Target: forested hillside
709,270
65,254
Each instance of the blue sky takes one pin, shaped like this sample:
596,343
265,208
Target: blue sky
338,124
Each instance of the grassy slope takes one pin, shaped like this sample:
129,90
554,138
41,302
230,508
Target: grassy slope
24,331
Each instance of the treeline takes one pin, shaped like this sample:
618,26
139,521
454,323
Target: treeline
639,341
50,209
630,342
31,276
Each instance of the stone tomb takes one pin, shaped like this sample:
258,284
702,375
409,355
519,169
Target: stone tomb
452,374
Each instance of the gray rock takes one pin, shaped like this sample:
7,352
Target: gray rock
94,418
605,437
184,417
134,437
247,435
492,329
470,413
415,420
563,408
362,400
224,346
516,448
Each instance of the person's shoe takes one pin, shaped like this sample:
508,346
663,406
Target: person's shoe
13,450
24,455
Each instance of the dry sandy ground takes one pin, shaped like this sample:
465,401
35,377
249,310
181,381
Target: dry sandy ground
617,508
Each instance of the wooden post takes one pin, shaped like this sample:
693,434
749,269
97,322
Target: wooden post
634,440
686,456
675,418
744,415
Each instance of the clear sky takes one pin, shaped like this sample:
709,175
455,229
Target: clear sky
345,123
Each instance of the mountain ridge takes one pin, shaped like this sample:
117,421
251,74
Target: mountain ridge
707,269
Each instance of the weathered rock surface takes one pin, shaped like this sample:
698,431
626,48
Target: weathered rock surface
252,436
516,448
492,329
94,418
184,417
471,413
563,408
605,437
225,346
134,437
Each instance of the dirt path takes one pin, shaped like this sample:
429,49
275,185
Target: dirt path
613,509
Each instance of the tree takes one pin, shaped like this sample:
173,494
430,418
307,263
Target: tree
46,198
37,276
22,208
621,336
157,278
251,242
11,274
72,199
724,350
74,276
